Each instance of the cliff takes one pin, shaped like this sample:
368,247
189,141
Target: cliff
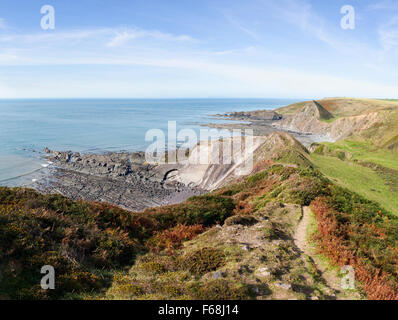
337,119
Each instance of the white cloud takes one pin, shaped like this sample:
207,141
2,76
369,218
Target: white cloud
109,36
51,37
252,34
301,14
124,36
388,34
3,24
201,78
246,50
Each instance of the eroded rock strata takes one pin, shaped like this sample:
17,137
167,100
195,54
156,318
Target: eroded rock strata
124,179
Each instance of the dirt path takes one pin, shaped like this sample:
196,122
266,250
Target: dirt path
328,274
300,237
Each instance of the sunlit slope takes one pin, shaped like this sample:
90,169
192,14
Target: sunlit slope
366,120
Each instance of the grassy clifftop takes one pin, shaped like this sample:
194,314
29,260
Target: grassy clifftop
344,107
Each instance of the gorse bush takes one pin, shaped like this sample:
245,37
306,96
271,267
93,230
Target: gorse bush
221,289
203,260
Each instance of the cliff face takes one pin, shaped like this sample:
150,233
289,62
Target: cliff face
307,119
212,164
342,118
244,161
320,112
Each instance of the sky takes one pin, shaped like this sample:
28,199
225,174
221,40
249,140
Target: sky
198,49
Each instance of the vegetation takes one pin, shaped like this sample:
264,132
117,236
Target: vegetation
86,242
360,179
182,252
214,265
365,152
352,230
357,232
203,260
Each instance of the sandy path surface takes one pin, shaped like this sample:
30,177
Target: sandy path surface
300,237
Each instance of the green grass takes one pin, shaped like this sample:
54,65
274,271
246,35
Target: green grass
359,179
365,152
331,119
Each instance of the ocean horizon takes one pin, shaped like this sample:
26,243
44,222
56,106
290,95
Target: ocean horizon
27,126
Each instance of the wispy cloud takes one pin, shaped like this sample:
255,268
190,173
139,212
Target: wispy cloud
110,36
3,24
51,37
240,26
239,60
301,14
246,50
383,5
388,34
122,37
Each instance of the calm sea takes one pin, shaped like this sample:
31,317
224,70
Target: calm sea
27,126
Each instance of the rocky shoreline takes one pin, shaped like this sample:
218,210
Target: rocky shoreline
263,123
123,179
127,180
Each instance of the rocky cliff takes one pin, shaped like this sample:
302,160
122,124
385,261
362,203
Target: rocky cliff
337,119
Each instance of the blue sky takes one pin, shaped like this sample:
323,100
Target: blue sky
191,48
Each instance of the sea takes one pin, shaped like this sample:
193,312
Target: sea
97,126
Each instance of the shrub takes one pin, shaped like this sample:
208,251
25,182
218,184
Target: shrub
171,290
129,290
206,210
203,260
244,220
221,289
171,239
153,267
357,232
258,177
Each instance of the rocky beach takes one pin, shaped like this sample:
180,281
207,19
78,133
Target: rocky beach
127,180
123,179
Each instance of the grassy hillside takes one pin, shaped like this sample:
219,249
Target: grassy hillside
365,152
362,168
363,180
234,243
